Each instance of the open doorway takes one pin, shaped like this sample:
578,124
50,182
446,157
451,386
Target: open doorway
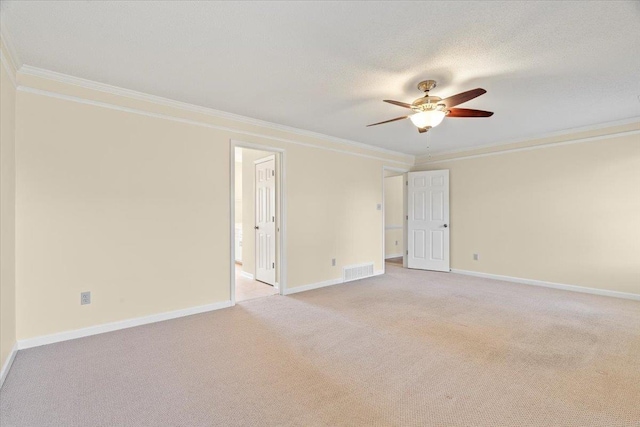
256,223
394,217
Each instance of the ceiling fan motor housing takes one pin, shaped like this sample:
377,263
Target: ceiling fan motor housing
427,103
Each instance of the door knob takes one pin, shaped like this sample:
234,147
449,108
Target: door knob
256,227
445,226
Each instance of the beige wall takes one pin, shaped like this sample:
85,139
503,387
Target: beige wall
130,200
7,216
567,214
131,208
393,212
135,208
248,208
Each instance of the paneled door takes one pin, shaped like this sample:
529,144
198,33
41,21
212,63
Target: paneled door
265,208
428,220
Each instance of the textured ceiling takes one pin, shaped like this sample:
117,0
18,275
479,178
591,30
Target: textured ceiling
325,67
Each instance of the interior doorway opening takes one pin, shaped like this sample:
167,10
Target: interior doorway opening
394,213
256,222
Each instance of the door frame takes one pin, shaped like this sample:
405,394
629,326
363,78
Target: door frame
403,172
281,265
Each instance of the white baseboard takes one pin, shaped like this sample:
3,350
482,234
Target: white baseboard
324,284
7,364
393,256
573,288
114,326
247,275
311,286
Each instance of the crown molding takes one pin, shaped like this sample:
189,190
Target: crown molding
533,147
27,89
158,100
466,153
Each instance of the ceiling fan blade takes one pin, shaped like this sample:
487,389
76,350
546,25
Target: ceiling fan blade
466,112
458,99
398,103
422,130
388,121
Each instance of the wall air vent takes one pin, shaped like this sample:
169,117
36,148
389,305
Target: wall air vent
355,272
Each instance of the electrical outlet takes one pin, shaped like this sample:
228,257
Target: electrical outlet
333,262
476,257
85,298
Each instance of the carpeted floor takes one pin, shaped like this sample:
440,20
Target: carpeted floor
409,348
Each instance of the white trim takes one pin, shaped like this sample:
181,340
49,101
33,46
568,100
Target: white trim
7,364
7,67
393,256
403,171
246,275
282,236
326,283
312,286
395,169
140,96
393,227
410,159
115,326
232,223
420,161
27,89
573,288
545,135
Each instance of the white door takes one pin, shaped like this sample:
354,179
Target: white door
428,220
265,207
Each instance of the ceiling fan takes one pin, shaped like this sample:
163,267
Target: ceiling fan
429,111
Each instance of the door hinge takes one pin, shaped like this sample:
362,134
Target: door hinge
407,217
407,251
273,265
407,183
273,173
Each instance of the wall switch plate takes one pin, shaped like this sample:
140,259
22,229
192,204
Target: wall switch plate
333,262
396,243
379,206
85,298
476,257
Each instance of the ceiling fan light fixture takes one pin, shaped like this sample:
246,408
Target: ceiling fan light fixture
428,119
429,111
